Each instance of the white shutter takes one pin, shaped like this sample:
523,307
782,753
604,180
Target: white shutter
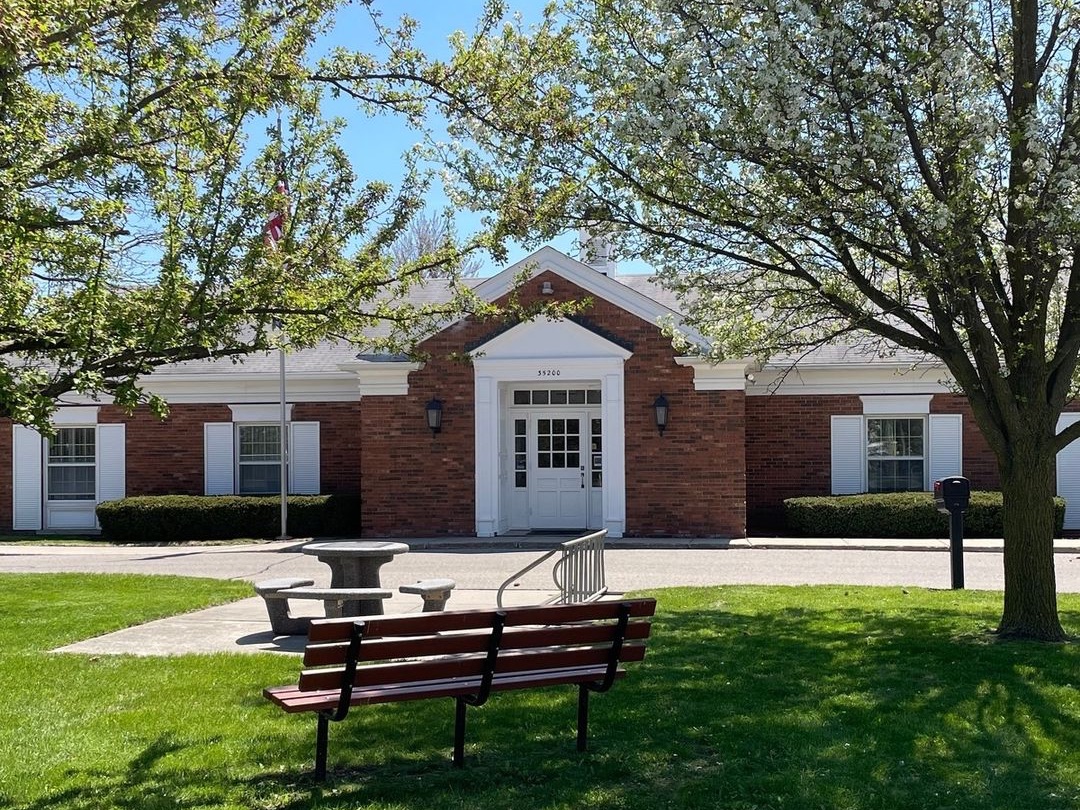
1068,474
848,455
218,458
111,463
946,445
304,458
26,455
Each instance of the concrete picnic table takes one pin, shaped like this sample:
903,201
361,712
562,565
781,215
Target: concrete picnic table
356,564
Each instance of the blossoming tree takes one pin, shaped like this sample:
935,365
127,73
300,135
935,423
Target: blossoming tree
136,182
899,173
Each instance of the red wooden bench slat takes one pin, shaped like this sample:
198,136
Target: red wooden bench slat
466,666
293,700
383,648
427,623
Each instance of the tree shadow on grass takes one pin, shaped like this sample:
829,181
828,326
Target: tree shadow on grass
816,706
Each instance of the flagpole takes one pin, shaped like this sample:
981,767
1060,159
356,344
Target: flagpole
284,448
284,420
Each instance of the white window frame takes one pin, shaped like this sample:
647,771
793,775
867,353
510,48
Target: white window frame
49,465
221,453
924,458
943,442
239,462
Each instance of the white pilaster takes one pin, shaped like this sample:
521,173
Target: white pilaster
614,452
487,456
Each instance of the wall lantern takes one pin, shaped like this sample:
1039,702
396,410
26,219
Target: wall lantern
434,415
660,405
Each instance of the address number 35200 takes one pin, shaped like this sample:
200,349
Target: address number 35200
549,372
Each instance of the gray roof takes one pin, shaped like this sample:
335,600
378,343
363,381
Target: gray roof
327,356
650,288
323,358
838,354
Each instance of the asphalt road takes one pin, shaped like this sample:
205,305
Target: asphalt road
627,569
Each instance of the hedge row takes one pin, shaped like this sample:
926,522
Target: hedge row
896,514
181,518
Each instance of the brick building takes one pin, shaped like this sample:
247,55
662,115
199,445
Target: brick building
544,425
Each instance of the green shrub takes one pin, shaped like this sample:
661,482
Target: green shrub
896,514
180,518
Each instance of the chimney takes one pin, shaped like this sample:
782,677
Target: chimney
594,246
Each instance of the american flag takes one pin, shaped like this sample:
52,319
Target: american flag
274,230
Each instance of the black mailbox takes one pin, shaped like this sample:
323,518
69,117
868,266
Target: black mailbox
952,493
952,496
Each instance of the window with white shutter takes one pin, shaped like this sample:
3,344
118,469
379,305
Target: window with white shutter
879,452
245,459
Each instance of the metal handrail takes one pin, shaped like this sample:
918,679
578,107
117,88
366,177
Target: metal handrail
578,574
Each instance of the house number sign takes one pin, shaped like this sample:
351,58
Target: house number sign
549,372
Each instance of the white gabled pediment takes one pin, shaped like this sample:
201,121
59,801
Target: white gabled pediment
589,279
550,340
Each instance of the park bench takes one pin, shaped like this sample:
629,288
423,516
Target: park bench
464,655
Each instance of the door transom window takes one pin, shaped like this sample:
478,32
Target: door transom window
556,396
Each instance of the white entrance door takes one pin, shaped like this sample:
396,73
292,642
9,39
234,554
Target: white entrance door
558,493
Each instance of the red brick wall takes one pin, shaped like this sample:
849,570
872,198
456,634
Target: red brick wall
788,441
690,481
165,457
788,450
339,443
413,482
169,454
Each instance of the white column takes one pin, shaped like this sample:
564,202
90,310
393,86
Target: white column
487,456
614,452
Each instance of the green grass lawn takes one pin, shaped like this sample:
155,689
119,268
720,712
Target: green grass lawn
749,698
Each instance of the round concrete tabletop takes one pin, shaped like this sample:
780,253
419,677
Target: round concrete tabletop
355,548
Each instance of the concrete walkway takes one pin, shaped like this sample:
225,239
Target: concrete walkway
479,567
244,627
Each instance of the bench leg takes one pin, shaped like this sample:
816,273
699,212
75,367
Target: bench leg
582,717
459,733
321,743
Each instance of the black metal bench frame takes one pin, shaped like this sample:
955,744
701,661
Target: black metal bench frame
465,655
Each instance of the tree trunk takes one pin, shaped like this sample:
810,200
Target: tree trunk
1027,485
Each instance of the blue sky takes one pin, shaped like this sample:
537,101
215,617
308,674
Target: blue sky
375,144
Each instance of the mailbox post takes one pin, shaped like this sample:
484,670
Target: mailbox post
952,496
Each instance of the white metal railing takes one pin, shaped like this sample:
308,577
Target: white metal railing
578,573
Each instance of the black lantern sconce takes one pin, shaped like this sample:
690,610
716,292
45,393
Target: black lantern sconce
660,406
434,415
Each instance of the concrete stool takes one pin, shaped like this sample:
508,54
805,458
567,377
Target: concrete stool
278,609
434,592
